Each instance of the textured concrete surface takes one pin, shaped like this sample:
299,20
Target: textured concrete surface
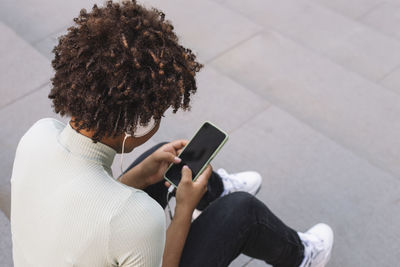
5,241
22,69
307,89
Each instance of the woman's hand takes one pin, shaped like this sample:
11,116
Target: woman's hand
155,165
151,170
189,193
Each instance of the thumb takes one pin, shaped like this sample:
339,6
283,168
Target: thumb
186,174
205,176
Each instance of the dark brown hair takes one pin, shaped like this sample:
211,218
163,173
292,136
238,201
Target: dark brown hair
118,66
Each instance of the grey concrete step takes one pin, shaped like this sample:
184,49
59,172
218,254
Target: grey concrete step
22,68
352,9
35,20
5,242
392,80
345,41
384,18
351,110
205,26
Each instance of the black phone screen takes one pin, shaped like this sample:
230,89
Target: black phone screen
197,152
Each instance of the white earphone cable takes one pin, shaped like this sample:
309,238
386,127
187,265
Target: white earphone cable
122,152
170,190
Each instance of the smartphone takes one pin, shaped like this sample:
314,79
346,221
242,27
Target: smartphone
198,153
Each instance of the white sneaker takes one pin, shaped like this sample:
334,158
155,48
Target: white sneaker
318,242
248,181
196,213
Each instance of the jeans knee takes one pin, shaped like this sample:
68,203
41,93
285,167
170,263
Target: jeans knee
241,199
244,204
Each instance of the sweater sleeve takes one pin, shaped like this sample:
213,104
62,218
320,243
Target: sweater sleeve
137,232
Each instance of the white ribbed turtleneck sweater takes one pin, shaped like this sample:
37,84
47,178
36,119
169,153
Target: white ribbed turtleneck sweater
67,209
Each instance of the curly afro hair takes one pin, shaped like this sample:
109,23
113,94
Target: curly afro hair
119,66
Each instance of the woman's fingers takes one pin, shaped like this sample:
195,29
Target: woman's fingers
174,147
178,144
166,156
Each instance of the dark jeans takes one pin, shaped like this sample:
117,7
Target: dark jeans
230,225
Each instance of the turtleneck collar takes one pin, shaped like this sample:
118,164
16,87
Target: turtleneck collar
82,146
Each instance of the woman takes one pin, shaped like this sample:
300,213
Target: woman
116,72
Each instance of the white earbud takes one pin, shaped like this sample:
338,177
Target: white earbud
140,131
143,130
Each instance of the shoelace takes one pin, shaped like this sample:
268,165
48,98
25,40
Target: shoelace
315,248
231,184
